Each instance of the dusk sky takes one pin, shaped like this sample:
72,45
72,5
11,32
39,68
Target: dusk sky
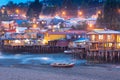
3,2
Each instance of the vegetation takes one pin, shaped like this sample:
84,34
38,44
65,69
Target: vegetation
111,16
34,8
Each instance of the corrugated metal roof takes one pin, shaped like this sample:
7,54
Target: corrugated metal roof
104,32
107,32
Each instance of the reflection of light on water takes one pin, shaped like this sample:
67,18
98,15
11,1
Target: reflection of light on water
0,53
45,58
8,57
37,59
1,57
17,55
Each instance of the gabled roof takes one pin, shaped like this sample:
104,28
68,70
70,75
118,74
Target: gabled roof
92,32
76,31
107,32
104,32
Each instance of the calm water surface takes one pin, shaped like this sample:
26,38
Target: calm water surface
8,59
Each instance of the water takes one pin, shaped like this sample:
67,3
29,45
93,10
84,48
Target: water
8,59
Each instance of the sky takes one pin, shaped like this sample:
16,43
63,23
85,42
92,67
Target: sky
3,2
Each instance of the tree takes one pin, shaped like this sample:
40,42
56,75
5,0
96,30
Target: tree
36,9
4,15
84,4
99,22
11,6
110,13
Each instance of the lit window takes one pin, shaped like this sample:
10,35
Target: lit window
119,45
79,36
109,37
118,38
93,37
110,44
100,36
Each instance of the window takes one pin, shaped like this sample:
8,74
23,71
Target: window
109,37
118,38
93,37
79,36
100,37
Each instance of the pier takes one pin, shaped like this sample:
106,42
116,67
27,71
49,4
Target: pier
103,56
34,49
92,54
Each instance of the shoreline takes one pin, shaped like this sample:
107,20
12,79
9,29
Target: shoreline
46,72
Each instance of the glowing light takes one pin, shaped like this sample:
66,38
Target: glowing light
55,26
94,16
43,22
2,11
80,13
56,14
44,41
119,44
17,41
100,37
17,11
99,12
93,37
27,40
41,16
34,25
63,13
23,15
119,10
90,25
37,22
49,26
110,44
45,58
109,37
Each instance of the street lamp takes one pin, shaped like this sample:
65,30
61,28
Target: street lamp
90,25
63,13
34,25
2,10
17,11
99,12
80,13
118,10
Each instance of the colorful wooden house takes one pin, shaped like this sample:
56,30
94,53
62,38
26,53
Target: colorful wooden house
104,39
51,36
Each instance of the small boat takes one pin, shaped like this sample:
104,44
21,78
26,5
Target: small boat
64,65
68,51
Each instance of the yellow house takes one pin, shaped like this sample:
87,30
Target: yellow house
50,36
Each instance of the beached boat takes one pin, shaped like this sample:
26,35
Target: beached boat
68,51
64,65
